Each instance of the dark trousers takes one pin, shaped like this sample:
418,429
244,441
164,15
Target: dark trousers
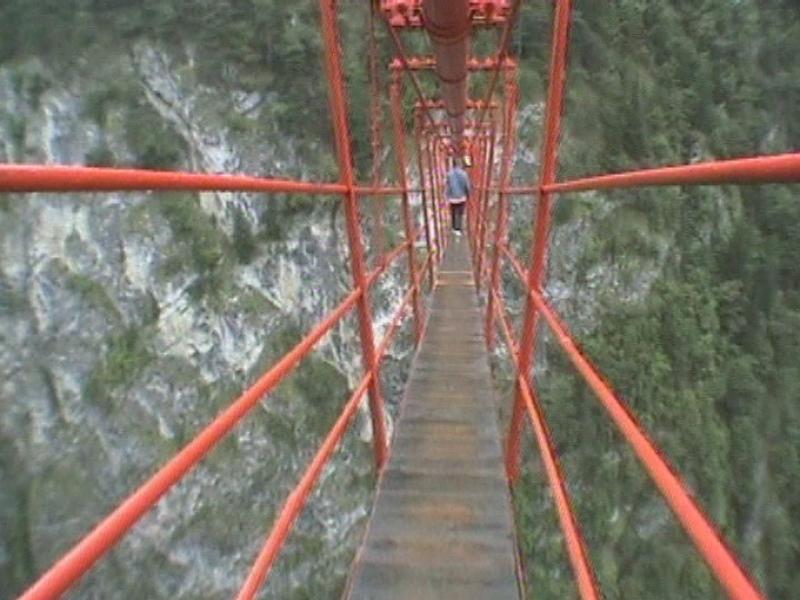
457,213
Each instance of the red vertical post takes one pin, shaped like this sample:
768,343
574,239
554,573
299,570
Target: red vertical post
376,125
424,194
485,212
434,198
444,206
400,154
501,223
341,130
555,100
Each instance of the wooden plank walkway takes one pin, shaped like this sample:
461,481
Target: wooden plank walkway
441,525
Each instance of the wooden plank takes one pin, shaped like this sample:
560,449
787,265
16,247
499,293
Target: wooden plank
441,525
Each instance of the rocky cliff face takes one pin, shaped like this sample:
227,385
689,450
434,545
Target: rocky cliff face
127,321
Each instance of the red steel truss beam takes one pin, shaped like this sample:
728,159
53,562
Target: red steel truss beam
426,194
502,51
472,104
501,221
401,55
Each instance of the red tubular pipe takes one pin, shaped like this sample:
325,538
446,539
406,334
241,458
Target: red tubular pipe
448,25
60,178
65,178
706,538
781,168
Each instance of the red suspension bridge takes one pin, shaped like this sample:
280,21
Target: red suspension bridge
441,525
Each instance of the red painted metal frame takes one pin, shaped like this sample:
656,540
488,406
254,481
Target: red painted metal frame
65,178
555,99
500,58
485,205
341,128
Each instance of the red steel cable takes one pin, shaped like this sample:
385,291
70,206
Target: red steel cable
706,538
555,100
781,168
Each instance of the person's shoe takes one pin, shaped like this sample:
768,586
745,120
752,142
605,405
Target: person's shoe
458,232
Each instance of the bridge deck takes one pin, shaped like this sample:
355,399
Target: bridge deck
441,525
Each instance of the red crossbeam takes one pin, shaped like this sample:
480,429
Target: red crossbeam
781,168
63,178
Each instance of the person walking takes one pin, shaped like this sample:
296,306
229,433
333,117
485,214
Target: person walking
457,192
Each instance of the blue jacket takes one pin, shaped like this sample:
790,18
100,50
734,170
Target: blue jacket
457,183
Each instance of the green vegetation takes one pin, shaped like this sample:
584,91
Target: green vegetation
92,292
126,357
